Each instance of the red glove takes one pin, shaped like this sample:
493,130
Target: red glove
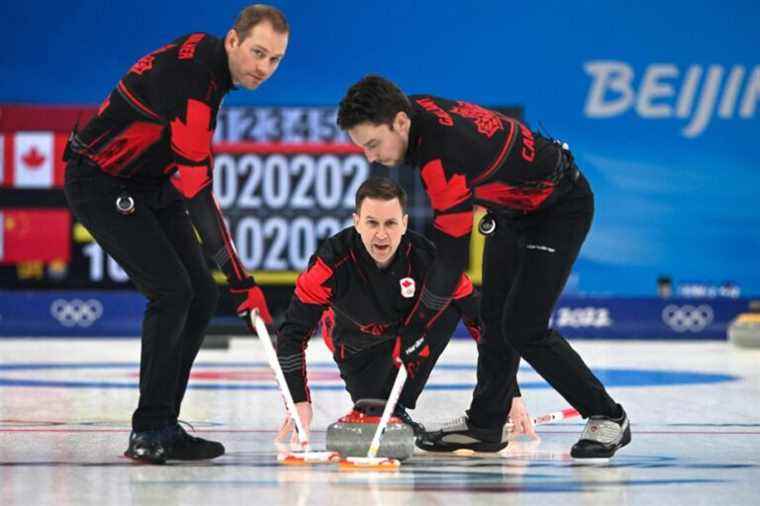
247,296
474,328
411,356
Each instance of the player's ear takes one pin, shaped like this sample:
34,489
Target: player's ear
231,40
402,123
356,221
404,223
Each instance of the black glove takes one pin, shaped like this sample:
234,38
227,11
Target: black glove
411,353
247,296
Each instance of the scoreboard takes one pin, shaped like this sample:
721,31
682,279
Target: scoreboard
282,200
289,125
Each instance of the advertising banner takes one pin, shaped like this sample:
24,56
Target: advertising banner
119,313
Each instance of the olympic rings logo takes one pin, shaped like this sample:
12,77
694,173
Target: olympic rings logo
687,318
71,313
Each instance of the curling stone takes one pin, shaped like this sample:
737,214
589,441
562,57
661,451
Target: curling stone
352,434
744,330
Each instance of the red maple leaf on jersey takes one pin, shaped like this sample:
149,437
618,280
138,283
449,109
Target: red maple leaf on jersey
33,158
444,193
192,138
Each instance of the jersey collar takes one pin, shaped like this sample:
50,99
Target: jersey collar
222,67
415,139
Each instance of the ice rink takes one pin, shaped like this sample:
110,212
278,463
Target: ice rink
65,408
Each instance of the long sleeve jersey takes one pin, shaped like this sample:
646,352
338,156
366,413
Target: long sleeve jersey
157,125
369,304
469,155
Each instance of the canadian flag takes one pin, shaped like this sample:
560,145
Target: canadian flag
33,159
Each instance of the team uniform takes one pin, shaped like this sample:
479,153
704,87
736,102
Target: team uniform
149,148
542,208
364,306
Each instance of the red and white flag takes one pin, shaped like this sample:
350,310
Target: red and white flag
2,162
33,160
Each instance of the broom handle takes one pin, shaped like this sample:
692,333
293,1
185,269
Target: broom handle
553,417
274,363
390,405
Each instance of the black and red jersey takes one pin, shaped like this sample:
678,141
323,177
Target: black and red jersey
364,305
469,155
156,126
162,113
482,156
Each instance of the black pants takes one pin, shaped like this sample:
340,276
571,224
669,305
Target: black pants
526,263
157,247
370,373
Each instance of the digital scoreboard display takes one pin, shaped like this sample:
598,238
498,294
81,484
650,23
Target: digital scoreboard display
282,200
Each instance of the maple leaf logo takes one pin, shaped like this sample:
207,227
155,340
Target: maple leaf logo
33,158
407,287
192,139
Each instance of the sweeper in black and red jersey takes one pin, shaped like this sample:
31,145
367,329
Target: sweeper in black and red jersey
540,210
139,178
363,284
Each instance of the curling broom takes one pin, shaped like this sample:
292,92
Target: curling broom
372,461
302,457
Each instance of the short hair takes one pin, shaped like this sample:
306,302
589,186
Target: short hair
373,99
258,13
381,188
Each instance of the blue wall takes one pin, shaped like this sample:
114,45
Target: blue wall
676,194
